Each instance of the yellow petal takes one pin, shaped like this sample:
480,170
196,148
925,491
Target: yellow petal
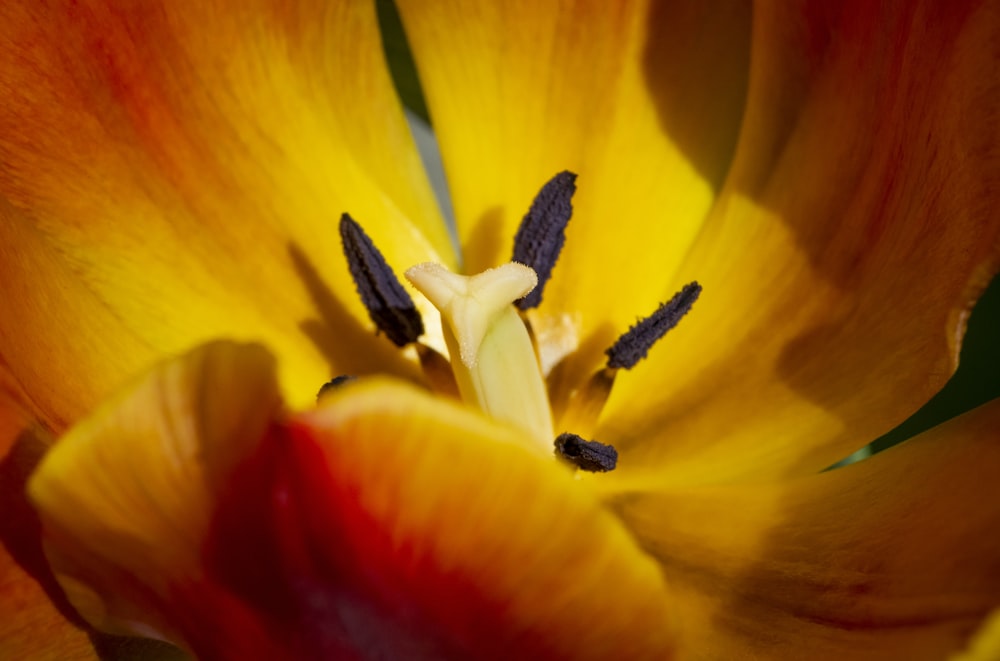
128,495
385,522
857,227
896,557
174,171
641,99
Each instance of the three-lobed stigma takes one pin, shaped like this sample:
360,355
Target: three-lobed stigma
493,357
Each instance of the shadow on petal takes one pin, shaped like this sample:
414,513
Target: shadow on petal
348,346
696,64
20,527
854,232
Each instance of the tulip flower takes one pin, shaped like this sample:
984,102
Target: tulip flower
704,250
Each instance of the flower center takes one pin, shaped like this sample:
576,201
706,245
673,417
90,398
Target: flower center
494,362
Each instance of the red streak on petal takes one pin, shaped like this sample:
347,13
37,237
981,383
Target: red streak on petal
298,562
127,86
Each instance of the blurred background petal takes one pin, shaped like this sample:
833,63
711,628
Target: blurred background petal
895,557
387,523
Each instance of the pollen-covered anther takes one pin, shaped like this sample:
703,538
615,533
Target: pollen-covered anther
333,384
587,402
542,233
389,306
591,456
633,345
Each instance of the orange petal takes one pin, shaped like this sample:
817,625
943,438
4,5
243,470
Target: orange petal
174,171
985,645
642,99
857,227
385,523
32,627
896,557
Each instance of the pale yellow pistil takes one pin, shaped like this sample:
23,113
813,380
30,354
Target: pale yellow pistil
492,356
